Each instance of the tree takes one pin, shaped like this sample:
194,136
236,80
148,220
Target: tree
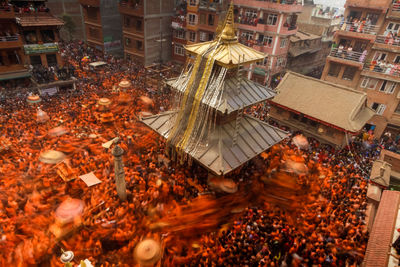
69,25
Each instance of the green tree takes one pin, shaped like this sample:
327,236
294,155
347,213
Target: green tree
69,25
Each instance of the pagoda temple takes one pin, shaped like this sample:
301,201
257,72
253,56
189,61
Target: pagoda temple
207,122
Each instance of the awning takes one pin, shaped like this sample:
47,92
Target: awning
14,75
97,64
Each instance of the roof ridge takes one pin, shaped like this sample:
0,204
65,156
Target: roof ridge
327,82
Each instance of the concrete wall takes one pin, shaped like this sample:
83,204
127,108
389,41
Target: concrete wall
73,9
112,27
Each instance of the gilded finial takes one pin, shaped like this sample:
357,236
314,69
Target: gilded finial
228,33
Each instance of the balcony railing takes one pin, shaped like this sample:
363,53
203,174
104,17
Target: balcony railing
396,7
359,27
12,38
384,68
389,40
348,55
283,2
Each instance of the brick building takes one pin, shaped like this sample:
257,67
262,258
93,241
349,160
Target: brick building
267,26
367,56
11,47
195,21
146,26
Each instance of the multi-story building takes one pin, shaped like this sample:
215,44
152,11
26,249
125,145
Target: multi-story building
195,21
11,46
146,27
39,30
102,25
73,10
366,57
267,26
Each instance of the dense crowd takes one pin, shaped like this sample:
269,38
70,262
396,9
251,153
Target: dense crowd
328,229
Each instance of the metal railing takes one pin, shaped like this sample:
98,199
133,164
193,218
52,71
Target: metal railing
396,7
6,9
11,38
384,68
360,27
389,40
348,55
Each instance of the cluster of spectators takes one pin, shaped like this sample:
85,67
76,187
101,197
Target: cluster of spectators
42,74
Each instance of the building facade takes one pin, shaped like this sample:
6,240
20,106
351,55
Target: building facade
195,21
366,57
102,25
12,58
72,9
146,27
267,26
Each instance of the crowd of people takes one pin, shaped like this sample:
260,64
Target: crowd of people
328,230
42,74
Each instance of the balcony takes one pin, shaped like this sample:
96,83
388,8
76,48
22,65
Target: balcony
288,30
382,70
370,4
10,41
285,6
94,3
352,58
178,22
246,24
394,11
207,5
387,43
7,12
131,8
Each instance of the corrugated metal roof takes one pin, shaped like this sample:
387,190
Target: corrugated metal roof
227,54
250,93
221,156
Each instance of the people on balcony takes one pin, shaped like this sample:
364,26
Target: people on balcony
363,25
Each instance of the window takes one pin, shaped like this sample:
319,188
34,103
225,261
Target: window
397,109
334,69
380,56
202,18
268,41
387,87
51,59
392,27
127,22
203,37
192,36
396,59
281,62
272,19
283,43
92,13
139,25
35,60
250,13
264,62
369,83
247,35
192,19
210,36
128,42
379,108
180,34
178,49
210,19
48,36
139,45
349,73
193,2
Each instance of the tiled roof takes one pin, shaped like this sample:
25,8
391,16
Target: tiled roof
382,231
29,20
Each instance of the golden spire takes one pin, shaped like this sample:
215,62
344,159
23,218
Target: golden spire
228,33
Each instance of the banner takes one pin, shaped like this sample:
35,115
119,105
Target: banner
40,48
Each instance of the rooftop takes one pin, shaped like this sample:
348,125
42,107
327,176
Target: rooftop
324,101
44,19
